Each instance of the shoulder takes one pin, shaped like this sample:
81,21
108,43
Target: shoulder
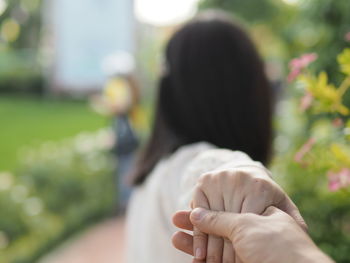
211,159
171,168
215,157
190,152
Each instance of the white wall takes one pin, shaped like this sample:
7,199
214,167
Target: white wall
84,33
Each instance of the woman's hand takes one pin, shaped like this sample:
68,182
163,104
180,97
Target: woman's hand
272,238
246,189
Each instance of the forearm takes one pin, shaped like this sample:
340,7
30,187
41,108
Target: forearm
299,250
313,255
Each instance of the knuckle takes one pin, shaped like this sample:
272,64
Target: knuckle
228,177
198,186
215,177
240,177
224,173
262,184
199,237
204,178
208,179
241,174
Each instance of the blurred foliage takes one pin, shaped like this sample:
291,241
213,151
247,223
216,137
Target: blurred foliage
304,26
252,11
20,72
316,173
20,31
320,25
21,23
326,213
59,188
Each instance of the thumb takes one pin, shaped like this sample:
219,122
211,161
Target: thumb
215,223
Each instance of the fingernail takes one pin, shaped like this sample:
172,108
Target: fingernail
198,213
198,254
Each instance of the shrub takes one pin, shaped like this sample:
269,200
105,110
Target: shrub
316,170
59,189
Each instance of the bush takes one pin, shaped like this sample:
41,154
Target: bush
59,189
315,167
21,82
20,72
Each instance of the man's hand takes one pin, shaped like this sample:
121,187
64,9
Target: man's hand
273,237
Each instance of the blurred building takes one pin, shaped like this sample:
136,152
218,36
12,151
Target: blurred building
82,33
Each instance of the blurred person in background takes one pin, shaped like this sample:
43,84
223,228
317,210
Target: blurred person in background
213,117
121,99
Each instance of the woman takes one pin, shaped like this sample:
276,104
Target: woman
214,110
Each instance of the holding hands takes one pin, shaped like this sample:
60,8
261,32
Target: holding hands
244,189
273,237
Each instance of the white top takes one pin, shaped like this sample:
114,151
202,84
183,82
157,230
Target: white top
167,189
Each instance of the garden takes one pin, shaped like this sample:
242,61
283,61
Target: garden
56,170
56,173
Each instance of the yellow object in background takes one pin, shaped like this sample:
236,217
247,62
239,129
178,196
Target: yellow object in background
117,93
139,119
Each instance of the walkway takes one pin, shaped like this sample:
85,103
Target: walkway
103,243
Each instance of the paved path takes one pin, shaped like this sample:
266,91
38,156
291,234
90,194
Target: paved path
103,243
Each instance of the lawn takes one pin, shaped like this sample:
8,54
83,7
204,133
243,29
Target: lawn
29,121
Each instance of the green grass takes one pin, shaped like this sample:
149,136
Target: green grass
29,121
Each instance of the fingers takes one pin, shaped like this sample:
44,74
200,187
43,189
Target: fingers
215,246
215,223
183,242
181,219
255,204
200,239
228,254
215,249
237,259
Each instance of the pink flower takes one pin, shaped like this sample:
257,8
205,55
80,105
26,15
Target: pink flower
347,37
293,75
303,61
338,180
306,101
298,157
298,64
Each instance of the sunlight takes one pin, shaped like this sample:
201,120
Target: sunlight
164,12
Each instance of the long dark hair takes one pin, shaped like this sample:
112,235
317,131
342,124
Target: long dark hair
214,89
